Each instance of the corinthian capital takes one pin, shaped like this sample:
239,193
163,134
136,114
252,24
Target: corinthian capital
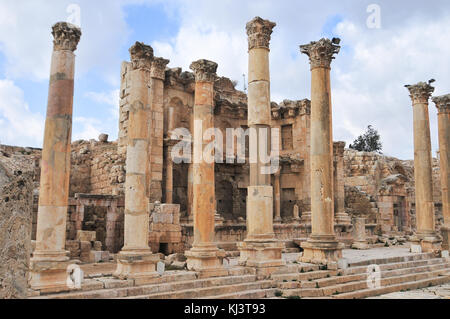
259,31
420,92
204,70
442,103
159,68
321,52
66,36
141,56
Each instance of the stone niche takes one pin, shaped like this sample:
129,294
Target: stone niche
165,229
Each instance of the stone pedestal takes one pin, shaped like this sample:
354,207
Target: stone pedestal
443,106
426,233
359,234
322,247
204,257
260,249
49,261
135,259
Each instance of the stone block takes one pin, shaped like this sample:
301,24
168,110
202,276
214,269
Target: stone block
85,246
416,249
97,245
83,235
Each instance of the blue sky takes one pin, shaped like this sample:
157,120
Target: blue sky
368,75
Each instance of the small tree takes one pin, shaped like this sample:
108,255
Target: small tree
368,142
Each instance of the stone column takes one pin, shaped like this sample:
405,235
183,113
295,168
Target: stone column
260,249
156,129
341,216
135,259
277,197
169,171
359,234
426,228
443,106
296,214
204,257
322,247
50,261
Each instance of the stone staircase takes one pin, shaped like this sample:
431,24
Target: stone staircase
396,274
296,280
175,285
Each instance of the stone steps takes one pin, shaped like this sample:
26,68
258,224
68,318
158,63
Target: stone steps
389,260
398,275
248,294
209,292
433,281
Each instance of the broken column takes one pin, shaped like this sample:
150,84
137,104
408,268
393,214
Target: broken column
260,249
50,260
204,257
341,216
443,106
277,195
135,259
322,246
426,232
359,233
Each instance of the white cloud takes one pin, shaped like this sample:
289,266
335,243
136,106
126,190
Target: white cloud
110,98
18,125
87,128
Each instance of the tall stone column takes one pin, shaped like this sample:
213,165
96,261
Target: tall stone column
260,249
426,228
204,257
135,259
443,106
322,247
277,197
341,216
50,261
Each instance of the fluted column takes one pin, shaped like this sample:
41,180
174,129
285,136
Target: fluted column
204,256
426,233
322,246
49,262
260,249
443,106
135,259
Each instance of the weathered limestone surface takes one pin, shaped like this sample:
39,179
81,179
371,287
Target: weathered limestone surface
16,202
48,265
443,106
135,259
204,256
322,246
260,249
426,233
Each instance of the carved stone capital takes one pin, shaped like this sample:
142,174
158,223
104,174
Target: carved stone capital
66,36
158,70
259,32
204,70
321,52
442,103
338,148
420,92
141,56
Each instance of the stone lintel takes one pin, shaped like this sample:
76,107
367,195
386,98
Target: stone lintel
66,36
321,52
204,70
420,92
259,32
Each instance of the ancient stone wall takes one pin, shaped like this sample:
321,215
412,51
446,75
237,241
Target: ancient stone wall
16,200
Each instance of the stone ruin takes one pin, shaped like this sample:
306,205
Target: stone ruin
126,201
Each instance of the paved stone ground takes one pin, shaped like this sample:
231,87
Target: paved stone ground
437,292
355,255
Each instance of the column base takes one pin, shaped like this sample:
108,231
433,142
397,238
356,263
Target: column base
360,245
264,255
277,219
207,261
321,250
49,276
343,218
306,218
136,265
430,241
445,232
